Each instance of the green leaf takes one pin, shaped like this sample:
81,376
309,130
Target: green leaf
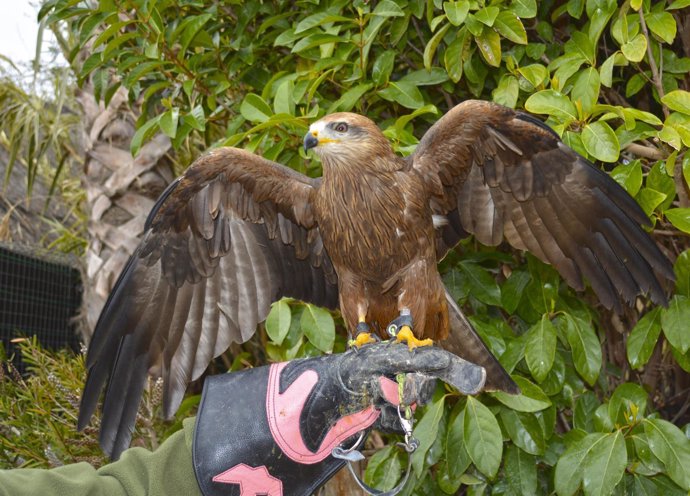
489,43
144,133
404,93
512,290
383,66
507,91
586,89
635,49
606,70
649,199
168,122
319,19
522,469
674,322
662,24
384,469
678,100
510,26
629,176
679,217
388,8
423,77
536,74
255,109
524,430
553,103
456,12
452,58
570,466
626,400
350,98
284,101
643,338
604,465
192,29
487,15
278,321
319,327
530,399
670,445
315,40
581,44
432,45
483,438
585,347
541,348
525,9
682,269
482,285
600,141
426,431
457,458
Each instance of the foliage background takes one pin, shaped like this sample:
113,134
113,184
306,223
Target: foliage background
605,397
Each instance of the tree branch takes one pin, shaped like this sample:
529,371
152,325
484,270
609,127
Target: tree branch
656,77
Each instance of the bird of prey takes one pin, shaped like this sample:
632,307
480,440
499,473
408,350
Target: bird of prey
236,232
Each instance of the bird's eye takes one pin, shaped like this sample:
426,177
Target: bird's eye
341,127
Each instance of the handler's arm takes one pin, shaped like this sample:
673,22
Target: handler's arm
166,471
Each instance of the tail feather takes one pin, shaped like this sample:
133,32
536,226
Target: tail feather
464,341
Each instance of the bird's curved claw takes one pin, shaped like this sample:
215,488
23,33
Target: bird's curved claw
363,337
406,335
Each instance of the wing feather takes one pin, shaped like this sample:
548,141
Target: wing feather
506,175
232,235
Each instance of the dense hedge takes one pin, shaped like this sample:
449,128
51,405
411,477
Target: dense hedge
604,397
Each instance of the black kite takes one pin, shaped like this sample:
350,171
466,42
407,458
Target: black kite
236,232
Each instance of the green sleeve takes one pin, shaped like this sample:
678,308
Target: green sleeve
166,471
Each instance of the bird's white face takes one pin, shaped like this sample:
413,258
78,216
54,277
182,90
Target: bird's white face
326,135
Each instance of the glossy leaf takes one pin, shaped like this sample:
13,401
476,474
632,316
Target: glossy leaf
426,431
482,436
522,468
531,399
585,346
674,322
510,26
318,327
570,468
278,321
677,100
643,338
604,465
551,102
600,141
671,446
541,348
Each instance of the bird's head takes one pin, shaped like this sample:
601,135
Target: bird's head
345,136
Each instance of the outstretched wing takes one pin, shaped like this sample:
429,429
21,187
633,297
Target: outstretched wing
233,234
497,174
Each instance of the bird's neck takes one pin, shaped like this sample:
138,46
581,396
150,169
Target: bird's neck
353,168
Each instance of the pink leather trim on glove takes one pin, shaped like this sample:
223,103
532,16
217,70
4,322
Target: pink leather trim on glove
252,481
283,411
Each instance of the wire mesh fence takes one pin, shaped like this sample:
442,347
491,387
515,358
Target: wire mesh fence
40,292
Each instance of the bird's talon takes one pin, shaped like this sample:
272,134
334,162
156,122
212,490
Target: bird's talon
405,335
362,339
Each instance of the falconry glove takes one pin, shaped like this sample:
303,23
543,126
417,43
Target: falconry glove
275,430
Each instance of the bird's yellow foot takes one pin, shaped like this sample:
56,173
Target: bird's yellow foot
405,334
362,339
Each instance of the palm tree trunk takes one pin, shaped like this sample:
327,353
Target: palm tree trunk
120,189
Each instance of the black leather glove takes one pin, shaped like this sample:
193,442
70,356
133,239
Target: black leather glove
271,430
